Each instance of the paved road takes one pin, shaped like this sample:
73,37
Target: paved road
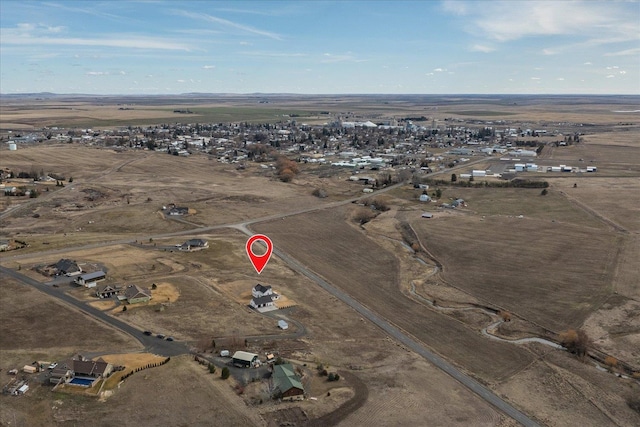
150,343
174,348
409,342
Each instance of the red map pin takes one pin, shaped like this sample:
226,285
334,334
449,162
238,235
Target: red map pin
259,261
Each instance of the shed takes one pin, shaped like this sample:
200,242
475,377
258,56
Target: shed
244,359
283,324
22,389
477,172
29,369
427,215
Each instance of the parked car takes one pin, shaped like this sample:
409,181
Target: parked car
53,365
147,332
169,338
160,336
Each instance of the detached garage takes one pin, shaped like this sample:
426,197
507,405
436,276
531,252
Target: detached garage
90,280
244,359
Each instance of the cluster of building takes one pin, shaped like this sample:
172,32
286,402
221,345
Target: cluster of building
388,142
132,294
286,384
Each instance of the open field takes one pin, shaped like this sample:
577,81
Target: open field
124,192
571,261
564,391
528,266
87,112
54,329
357,265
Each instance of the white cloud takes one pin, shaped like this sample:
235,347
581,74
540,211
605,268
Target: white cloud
181,81
29,34
439,70
481,48
97,73
610,76
587,63
623,72
209,67
226,23
627,52
560,79
535,78
503,21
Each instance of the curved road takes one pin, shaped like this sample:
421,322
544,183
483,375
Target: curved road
173,348
150,343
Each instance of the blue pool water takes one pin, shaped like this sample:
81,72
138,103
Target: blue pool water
85,382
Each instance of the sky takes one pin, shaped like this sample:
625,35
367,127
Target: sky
320,47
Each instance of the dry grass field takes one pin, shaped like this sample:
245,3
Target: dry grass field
357,265
550,273
54,330
571,260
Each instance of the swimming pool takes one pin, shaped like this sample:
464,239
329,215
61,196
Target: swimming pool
84,382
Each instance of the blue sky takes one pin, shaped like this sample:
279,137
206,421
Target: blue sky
320,47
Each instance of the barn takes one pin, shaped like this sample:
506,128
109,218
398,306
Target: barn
244,359
286,384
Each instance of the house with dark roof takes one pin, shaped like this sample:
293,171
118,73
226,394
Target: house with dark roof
286,383
264,303
107,291
67,267
67,370
261,290
194,245
178,211
135,294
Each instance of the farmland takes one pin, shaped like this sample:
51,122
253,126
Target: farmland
546,263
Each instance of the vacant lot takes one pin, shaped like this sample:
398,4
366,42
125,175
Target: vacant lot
551,273
563,391
31,321
325,243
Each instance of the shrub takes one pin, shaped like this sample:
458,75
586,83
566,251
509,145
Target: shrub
212,368
544,192
319,193
576,342
225,373
611,361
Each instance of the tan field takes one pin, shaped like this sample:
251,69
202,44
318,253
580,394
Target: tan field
566,260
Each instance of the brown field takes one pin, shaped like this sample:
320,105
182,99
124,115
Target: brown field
55,331
570,261
564,391
550,273
359,266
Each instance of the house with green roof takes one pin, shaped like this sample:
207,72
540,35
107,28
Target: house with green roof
286,383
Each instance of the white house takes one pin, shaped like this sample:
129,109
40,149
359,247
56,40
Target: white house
263,304
261,290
